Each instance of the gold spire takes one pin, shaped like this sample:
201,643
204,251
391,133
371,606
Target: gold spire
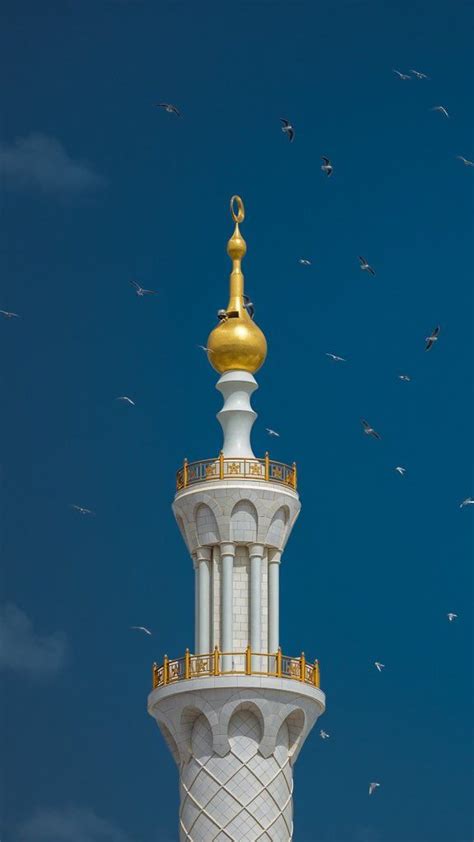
236,342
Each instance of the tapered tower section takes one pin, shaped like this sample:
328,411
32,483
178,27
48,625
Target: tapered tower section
234,710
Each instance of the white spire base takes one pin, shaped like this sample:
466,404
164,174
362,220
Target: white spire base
237,416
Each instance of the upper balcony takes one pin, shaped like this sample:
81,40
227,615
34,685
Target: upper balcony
224,468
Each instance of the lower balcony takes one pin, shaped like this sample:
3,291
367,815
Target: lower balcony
216,663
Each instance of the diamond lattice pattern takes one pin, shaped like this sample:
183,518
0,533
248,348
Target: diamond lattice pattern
242,797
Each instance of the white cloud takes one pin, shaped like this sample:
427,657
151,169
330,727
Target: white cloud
41,162
24,650
71,824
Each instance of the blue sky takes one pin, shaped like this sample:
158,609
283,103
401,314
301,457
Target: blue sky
100,187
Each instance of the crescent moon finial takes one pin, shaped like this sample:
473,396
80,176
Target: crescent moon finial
240,215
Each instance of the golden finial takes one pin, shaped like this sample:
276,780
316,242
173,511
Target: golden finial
236,343
240,215
236,249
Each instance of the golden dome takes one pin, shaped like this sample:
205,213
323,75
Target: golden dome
236,342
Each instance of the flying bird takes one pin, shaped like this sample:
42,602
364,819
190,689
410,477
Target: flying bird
272,432
373,786
419,75
369,431
404,377
400,470
469,501
379,666
141,628
125,399
324,734
451,616
440,108
171,109
326,166
141,291
205,348
304,262
249,306
336,358
7,315
366,266
401,75
430,340
466,161
81,509
287,129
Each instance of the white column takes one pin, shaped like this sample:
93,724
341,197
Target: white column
255,613
196,602
274,557
227,606
214,639
204,558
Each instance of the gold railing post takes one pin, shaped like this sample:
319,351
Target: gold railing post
221,465
294,476
278,662
216,660
302,667
154,676
316,674
185,473
267,466
248,661
187,664
165,670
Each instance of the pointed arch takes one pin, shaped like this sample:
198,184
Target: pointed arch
244,522
206,526
278,527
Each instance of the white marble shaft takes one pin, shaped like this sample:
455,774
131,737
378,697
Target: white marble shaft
235,531
235,742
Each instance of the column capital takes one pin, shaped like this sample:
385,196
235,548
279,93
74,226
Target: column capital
256,550
227,548
274,556
203,554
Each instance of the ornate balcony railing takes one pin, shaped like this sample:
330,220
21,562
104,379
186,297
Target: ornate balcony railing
215,663
221,467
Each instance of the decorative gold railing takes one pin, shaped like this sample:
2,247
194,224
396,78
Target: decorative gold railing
221,467
215,663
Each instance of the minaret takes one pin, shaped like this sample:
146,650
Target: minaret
235,711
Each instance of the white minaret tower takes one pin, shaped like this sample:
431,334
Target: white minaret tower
236,712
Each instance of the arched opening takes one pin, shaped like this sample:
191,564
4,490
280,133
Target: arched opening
244,523
277,531
295,723
170,741
206,526
245,732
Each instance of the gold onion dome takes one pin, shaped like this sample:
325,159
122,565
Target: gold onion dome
236,342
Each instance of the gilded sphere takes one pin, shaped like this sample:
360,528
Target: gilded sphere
237,343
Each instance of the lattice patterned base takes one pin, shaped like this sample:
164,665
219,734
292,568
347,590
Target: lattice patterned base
241,797
235,742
